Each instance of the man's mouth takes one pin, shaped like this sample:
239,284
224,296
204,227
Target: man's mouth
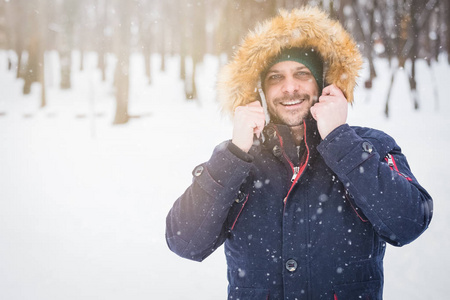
291,102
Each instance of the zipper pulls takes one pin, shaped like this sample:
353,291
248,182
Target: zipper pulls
296,170
390,161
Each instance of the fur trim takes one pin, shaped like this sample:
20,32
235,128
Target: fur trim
305,27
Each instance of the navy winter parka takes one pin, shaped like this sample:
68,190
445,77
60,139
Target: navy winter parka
302,223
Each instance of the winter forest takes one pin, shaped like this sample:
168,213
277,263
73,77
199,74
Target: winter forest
107,106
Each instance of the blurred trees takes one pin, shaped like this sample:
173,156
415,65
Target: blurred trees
122,49
28,39
400,30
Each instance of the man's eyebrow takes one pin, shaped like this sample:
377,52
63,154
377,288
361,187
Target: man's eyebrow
301,68
273,71
296,69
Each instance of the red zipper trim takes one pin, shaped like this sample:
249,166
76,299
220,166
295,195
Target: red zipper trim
282,151
396,169
234,223
394,166
302,167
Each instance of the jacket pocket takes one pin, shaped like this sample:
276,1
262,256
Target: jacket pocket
238,293
358,212
238,211
367,290
239,203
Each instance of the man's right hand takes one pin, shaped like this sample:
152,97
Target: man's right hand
248,121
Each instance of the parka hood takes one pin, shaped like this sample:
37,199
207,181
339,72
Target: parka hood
303,28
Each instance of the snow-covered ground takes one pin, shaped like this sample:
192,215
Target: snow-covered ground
83,203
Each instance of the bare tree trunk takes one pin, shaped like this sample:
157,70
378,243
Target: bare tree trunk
101,43
65,58
182,19
42,81
413,84
42,29
31,69
163,7
162,50
70,11
340,12
102,64
182,66
373,72
31,72
404,22
447,21
19,53
190,88
148,64
81,58
391,85
195,21
367,36
416,8
333,13
389,45
123,61
146,36
15,13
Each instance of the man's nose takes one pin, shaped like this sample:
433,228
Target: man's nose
290,85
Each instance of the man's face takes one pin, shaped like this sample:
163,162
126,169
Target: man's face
290,91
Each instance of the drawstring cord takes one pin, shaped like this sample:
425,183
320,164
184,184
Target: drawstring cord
263,102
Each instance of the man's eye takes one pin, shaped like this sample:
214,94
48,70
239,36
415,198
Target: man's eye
303,74
274,77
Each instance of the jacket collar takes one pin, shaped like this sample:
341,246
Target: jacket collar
278,138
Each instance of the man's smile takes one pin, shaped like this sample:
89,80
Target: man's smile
292,102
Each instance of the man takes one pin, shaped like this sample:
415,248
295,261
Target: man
305,203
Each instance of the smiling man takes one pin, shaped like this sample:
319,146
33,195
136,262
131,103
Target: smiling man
303,202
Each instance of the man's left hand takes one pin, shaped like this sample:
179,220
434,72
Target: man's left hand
331,110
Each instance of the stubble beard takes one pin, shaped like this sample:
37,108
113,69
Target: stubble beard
293,118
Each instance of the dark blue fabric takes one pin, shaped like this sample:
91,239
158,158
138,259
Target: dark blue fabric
335,222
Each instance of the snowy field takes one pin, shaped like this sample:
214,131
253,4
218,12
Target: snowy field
83,203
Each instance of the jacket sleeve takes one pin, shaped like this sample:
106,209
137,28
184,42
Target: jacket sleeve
379,182
195,224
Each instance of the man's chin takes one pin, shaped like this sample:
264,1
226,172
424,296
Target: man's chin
294,121
295,124
291,121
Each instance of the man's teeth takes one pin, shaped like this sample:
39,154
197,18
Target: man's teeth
291,102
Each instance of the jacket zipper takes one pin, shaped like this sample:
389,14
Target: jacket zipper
296,171
391,163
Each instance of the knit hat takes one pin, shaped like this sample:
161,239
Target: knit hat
306,56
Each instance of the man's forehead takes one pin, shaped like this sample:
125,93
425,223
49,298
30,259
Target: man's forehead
287,65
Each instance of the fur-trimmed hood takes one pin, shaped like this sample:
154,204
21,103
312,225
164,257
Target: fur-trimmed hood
305,27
